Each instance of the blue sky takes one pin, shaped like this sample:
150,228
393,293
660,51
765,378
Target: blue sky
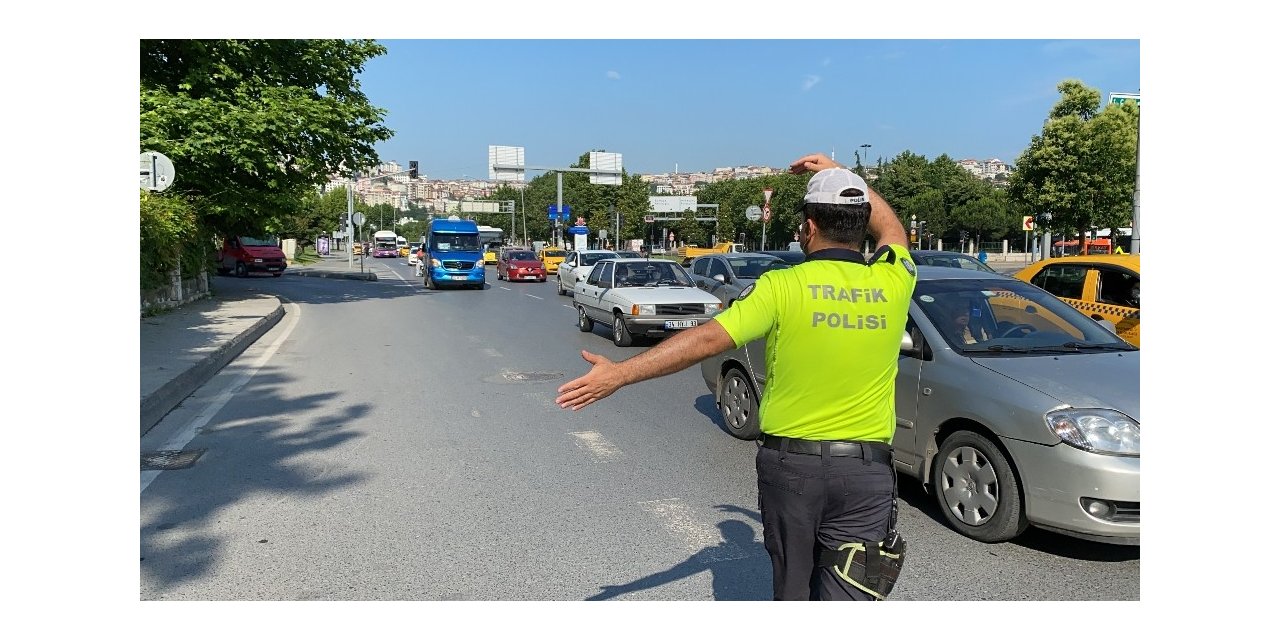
703,104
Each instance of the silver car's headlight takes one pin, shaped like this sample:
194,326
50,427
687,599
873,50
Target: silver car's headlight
712,307
644,310
1096,430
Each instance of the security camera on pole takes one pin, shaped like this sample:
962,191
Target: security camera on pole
765,214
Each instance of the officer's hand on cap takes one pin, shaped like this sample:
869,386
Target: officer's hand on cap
813,162
598,384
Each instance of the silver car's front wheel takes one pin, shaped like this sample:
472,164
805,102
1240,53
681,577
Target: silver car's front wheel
977,489
738,406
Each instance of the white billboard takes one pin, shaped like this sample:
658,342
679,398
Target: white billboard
603,161
506,157
471,206
672,204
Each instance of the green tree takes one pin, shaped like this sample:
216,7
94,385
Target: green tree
1081,171
254,126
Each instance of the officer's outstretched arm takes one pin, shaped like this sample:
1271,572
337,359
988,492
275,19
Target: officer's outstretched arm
671,355
884,226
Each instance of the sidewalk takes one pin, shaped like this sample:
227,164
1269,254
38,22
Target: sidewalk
184,348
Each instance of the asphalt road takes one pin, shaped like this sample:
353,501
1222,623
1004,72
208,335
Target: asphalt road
386,442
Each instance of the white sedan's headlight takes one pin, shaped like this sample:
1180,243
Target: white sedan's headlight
1096,430
712,307
643,310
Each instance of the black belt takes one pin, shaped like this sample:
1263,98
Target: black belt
873,451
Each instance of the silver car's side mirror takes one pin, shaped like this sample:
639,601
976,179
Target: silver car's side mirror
907,343
719,277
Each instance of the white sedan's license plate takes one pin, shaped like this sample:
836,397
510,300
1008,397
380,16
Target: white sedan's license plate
458,277
680,324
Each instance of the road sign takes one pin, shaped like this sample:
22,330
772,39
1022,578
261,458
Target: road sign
648,218
768,193
564,213
602,234
357,219
672,204
1121,98
155,171
753,213
671,237
1028,223
611,163
765,213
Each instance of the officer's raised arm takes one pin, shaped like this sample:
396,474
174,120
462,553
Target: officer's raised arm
884,224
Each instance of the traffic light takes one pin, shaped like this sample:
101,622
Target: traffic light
413,169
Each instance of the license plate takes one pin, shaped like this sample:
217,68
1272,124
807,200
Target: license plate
458,277
531,277
680,324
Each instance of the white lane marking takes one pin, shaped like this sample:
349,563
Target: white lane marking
567,306
595,444
532,296
491,352
505,288
701,536
400,277
544,400
181,438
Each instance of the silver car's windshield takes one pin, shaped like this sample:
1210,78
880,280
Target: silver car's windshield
650,274
589,259
995,317
754,267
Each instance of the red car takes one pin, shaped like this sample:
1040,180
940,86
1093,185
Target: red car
518,263
243,255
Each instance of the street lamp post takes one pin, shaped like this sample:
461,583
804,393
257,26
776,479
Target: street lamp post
864,148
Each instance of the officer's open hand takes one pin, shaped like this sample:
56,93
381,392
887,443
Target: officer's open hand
602,380
813,162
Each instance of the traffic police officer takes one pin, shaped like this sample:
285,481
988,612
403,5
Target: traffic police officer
833,326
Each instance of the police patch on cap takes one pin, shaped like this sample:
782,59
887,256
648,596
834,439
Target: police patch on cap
746,292
909,266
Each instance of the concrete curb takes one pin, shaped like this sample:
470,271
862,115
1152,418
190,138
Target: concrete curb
173,392
367,275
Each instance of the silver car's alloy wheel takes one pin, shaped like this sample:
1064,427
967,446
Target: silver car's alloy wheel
584,323
621,337
970,485
738,406
978,489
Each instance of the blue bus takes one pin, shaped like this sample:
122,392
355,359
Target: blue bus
454,254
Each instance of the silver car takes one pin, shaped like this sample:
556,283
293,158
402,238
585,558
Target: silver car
576,266
725,275
638,296
1013,409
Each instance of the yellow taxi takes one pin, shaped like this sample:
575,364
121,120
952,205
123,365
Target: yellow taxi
1100,286
551,257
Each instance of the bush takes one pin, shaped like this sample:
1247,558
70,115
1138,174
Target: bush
170,236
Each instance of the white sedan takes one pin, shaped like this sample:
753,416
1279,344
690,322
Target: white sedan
576,266
638,296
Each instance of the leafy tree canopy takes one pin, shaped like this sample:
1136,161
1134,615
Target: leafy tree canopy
1081,171
254,126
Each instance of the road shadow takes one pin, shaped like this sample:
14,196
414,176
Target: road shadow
248,456
739,565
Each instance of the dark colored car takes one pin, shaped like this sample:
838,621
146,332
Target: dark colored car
791,257
953,259
726,275
518,263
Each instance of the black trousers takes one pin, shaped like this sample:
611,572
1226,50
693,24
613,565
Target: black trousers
808,501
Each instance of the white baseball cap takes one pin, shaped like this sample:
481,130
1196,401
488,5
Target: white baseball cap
827,185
